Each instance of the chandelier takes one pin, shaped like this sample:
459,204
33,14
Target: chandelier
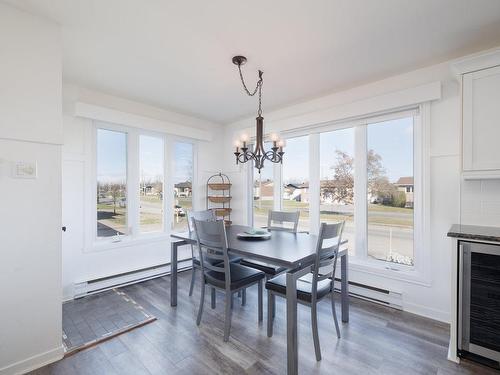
258,155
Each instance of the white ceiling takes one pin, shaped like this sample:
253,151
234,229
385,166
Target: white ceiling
176,54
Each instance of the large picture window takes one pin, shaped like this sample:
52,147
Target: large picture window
183,184
111,174
337,181
295,185
370,175
151,159
144,183
390,190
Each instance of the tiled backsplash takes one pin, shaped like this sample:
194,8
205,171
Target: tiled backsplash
480,202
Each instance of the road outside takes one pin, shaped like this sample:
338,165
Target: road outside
390,229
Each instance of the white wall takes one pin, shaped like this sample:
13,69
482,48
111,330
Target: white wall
30,209
431,300
81,261
480,202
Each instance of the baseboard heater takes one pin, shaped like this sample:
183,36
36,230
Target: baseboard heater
373,294
89,287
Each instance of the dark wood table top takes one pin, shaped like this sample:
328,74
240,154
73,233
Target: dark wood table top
283,248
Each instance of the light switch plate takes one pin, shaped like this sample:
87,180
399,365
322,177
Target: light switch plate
24,169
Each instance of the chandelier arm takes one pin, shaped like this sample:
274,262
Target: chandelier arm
273,156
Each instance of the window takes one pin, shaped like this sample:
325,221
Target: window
390,190
263,192
183,184
138,195
295,192
151,157
337,181
370,175
111,183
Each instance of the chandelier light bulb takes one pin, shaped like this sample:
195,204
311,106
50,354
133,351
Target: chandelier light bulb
237,144
275,137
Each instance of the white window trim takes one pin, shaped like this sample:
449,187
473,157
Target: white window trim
134,236
419,273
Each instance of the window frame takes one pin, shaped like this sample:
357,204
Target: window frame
419,273
134,235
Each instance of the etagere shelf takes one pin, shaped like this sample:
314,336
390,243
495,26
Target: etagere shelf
219,196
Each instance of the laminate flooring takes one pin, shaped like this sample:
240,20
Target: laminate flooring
377,340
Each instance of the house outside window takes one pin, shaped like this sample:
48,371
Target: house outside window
370,176
138,174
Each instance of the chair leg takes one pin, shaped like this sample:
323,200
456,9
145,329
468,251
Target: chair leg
193,275
243,297
314,321
202,301
273,297
261,309
227,318
334,312
270,319
212,299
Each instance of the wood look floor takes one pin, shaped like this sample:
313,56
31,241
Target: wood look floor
377,340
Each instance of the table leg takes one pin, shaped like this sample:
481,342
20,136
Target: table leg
173,271
344,281
292,343
292,346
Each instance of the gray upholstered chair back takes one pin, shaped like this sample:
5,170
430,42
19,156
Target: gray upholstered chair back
281,220
212,245
327,249
203,215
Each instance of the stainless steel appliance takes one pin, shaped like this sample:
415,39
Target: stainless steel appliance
479,301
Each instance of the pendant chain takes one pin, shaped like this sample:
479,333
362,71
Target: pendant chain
258,88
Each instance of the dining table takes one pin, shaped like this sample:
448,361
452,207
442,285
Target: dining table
294,251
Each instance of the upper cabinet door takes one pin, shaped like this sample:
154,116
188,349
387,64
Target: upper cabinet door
481,121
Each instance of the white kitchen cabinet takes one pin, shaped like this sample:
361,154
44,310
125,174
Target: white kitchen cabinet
480,76
481,120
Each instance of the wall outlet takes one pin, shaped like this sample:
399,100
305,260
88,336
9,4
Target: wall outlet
24,169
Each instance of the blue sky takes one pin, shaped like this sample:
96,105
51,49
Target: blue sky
183,162
151,151
392,140
112,157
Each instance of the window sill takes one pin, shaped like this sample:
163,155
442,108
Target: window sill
403,273
128,241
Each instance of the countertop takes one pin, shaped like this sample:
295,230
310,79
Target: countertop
475,232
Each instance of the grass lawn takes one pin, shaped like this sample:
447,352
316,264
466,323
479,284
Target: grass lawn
378,214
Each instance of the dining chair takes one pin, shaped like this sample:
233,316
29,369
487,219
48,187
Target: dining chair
203,215
283,220
314,286
219,272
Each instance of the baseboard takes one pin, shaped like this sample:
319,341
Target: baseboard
99,285
32,363
439,315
